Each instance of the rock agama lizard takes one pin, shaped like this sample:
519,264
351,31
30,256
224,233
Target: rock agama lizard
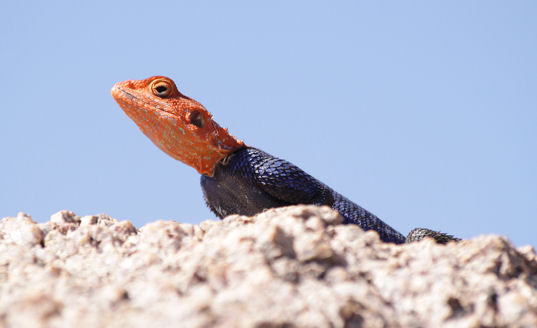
235,178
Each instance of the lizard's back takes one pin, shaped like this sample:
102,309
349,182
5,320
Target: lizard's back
250,181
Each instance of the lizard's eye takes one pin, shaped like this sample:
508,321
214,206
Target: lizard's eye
196,118
161,88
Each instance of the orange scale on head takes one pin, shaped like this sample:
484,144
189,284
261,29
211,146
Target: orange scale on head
157,107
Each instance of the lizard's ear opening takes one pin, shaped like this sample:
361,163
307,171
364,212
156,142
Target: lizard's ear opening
196,118
161,88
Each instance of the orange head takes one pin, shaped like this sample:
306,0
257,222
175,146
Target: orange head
178,125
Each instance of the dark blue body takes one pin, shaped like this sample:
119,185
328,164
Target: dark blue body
250,181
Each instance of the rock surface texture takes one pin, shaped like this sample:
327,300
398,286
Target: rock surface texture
287,267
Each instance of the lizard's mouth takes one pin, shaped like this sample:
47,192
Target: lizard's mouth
129,101
124,93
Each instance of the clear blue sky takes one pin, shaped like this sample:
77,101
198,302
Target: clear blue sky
424,113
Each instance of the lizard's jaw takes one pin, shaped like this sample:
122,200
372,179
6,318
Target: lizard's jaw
168,123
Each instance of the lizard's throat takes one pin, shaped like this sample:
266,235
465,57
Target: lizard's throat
202,150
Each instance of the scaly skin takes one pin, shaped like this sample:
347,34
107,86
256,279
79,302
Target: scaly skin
236,178
178,125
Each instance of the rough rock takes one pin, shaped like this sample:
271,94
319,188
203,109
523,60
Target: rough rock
287,267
